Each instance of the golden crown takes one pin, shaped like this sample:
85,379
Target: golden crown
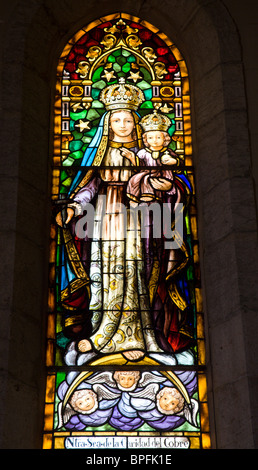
155,122
121,96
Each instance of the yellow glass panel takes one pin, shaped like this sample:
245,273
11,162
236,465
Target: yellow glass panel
204,417
51,326
165,39
200,326
196,256
191,180
59,442
57,130
206,441
186,104
194,228
104,19
195,443
199,300
55,178
201,352
58,85
57,141
149,26
50,389
50,354
185,86
53,232
57,105
176,52
60,67
188,139
76,37
49,416
188,149
183,68
52,251
51,300
55,188
187,125
56,161
130,17
92,25
188,160
202,384
66,50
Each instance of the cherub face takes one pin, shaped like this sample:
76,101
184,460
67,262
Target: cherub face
155,139
127,381
85,403
168,403
122,123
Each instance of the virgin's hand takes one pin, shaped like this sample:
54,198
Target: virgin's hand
161,184
128,154
70,214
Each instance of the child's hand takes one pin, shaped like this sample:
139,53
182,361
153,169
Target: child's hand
128,154
167,159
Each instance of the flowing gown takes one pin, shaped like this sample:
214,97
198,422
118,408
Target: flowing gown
121,318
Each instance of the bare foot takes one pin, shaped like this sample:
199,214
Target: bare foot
84,345
133,355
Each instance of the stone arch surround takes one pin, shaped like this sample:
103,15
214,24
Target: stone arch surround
33,37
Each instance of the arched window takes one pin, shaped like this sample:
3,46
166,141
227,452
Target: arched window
125,344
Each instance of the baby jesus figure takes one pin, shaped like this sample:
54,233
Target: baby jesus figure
149,183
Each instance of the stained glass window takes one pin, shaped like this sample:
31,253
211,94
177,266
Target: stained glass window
125,337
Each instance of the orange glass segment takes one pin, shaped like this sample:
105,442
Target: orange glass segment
201,352
204,417
49,417
202,383
50,388
206,441
47,441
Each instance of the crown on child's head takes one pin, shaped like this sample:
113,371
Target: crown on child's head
121,96
155,122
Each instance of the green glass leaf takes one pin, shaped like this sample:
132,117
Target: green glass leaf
100,85
75,145
121,60
97,104
117,67
97,74
111,58
92,114
147,104
126,53
69,161
126,67
148,94
79,115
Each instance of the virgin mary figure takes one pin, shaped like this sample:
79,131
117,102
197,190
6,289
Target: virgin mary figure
104,275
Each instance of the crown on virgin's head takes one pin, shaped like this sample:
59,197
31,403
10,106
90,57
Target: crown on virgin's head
155,122
121,96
